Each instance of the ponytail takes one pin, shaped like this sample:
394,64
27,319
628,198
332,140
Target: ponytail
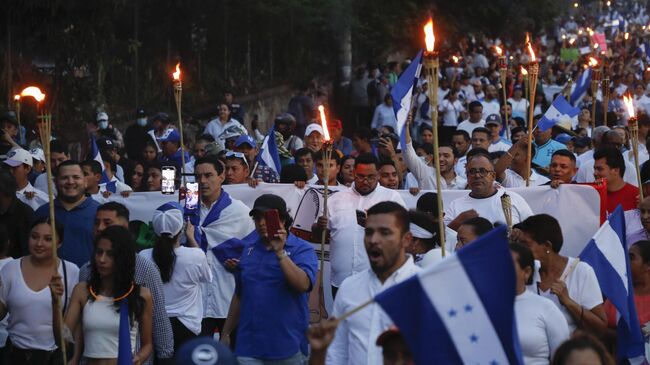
164,256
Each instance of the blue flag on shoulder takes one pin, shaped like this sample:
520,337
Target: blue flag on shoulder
558,111
607,254
582,85
402,94
268,155
94,152
460,310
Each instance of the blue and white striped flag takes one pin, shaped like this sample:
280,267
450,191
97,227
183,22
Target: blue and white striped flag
402,94
581,87
268,155
453,313
558,111
607,254
94,152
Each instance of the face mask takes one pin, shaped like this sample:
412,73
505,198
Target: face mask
142,122
103,124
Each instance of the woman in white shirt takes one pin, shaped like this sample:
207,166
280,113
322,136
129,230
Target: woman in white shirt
541,327
182,270
25,297
384,114
109,301
451,109
570,284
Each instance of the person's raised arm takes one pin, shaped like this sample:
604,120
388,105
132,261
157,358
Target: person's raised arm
297,279
506,159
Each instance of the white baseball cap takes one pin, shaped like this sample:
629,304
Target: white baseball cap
102,116
168,218
17,157
38,154
313,128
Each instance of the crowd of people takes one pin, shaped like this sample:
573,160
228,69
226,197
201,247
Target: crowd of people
249,279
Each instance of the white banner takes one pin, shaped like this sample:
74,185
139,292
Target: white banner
576,207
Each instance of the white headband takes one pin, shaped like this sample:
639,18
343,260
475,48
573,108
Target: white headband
419,232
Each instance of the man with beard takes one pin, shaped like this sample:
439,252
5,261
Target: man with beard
386,238
74,211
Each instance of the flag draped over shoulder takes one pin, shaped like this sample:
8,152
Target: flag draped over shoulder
268,155
402,94
559,110
461,310
607,254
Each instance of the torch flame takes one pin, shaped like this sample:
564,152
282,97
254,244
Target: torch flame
429,38
628,104
532,53
455,59
16,97
593,62
323,121
177,74
596,45
34,92
499,50
524,71
627,35
580,31
571,41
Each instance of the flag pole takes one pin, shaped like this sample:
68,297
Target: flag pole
431,65
533,69
503,69
354,310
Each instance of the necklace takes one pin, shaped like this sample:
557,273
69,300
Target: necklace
92,292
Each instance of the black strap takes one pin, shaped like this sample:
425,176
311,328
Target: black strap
65,285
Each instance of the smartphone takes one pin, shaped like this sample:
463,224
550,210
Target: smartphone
191,196
272,219
361,218
168,179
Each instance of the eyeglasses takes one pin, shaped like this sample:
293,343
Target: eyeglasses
480,172
233,154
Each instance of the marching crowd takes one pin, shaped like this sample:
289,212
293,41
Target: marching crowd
252,280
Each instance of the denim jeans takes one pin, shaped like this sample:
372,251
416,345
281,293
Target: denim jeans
297,359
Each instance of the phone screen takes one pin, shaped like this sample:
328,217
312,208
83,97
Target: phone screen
168,177
191,196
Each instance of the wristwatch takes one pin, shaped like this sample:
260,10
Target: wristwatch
281,254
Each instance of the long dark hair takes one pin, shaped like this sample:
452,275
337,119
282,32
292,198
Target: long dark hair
164,256
123,249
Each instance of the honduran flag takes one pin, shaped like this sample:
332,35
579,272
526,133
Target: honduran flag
124,351
460,310
402,93
94,153
582,85
559,110
268,155
607,254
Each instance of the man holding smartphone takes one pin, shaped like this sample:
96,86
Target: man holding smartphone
276,274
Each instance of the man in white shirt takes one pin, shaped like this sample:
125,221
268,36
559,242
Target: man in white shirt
475,119
386,238
484,199
220,220
516,158
426,174
347,217
481,138
490,102
461,140
305,159
493,124
20,165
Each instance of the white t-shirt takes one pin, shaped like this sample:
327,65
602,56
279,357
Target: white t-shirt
183,297
491,107
514,180
5,322
586,172
582,285
541,328
519,108
469,127
501,145
450,112
30,323
489,208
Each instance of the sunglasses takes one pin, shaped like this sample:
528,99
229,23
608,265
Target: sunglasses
233,154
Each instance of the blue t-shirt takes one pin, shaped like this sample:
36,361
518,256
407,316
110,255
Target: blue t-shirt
274,317
78,225
544,152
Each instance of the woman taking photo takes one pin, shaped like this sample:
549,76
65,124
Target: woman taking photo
540,325
107,299
182,270
570,284
25,296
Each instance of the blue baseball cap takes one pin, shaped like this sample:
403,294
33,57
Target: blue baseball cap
204,351
563,138
245,139
170,135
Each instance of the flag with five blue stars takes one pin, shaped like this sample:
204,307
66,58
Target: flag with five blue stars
461,310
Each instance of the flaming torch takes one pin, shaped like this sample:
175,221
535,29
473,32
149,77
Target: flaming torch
327,157
633,126
524,73
533,69
503,69
178,94
45,134
431,66
595,82
455,60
